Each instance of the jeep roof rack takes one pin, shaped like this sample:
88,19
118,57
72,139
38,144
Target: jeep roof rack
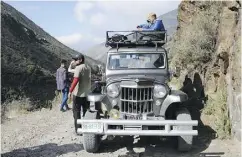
135,38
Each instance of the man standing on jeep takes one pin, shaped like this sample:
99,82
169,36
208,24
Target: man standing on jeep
154,24
80,87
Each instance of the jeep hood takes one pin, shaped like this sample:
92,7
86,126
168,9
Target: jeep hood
135,77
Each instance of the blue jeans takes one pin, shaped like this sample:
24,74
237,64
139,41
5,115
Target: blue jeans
65,93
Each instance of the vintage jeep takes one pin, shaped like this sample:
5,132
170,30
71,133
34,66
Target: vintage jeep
135,98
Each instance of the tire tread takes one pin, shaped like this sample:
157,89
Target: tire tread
91,142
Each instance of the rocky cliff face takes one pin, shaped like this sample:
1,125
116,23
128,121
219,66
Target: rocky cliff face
29,59
207,45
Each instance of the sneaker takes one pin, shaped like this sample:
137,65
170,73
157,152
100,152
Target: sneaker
68,108
62,110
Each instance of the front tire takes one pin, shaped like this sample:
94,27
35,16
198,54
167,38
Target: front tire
184,142
91,142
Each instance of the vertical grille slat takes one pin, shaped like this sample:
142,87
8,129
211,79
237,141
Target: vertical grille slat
143,98
132,107
128,106
137,100
148,94
139,94
132,93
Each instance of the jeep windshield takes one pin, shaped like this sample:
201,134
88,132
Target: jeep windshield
136,61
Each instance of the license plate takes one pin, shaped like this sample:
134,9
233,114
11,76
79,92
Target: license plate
92,127
134,117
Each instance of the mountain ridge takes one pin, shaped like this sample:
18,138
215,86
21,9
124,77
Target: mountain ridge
29,59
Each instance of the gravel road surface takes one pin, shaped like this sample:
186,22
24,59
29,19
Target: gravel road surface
50,133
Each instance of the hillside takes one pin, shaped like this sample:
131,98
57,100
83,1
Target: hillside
206,53
99,52
29,59
170,21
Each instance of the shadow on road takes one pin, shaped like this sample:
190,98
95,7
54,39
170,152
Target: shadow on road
159,147
46,150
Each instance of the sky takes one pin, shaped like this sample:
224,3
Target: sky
82,24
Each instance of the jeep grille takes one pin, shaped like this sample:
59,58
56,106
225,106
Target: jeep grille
136,100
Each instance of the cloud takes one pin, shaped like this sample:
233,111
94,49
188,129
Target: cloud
98,40
92,38
70,40
98,19
80,8
125,14
80,42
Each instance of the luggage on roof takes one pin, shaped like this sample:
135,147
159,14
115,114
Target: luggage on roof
135,38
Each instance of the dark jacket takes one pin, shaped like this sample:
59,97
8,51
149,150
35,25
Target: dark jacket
62,80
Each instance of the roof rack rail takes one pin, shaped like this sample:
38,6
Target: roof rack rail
135,38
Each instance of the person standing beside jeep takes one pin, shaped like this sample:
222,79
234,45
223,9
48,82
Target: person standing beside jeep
80,87
63,84
72,65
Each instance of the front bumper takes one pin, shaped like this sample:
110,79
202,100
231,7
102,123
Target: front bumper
136,127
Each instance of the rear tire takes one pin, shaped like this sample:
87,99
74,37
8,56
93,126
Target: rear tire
91,142
184,143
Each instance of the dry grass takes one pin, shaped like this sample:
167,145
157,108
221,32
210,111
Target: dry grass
56,101
175,82
197,42
22,106
14,108
216,107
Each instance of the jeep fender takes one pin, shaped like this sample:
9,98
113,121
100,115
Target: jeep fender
175,96
96,97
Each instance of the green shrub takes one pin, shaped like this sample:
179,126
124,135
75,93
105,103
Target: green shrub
30,68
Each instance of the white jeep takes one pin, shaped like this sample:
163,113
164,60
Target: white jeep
135,98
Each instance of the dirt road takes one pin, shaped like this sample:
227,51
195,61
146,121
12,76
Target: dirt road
50,133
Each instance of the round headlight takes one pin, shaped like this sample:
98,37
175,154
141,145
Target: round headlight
160,91
113,90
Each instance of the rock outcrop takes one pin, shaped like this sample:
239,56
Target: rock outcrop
208,43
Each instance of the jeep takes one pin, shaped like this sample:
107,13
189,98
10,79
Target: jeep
134,97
